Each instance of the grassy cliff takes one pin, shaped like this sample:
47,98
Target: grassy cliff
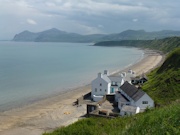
164,45
162,121
164,83
163,86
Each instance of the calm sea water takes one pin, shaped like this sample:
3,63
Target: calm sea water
29,71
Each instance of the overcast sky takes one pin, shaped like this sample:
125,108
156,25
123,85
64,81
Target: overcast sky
87,16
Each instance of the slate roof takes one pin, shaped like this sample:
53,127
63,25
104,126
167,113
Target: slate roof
138,95
132,91
122,97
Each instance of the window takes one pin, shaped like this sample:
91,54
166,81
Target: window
100,89
95,89
144,102
105,90
100,84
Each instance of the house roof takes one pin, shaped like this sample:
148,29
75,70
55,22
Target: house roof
103,77
132,91
122,98
138,95
115,78
128,77
128,108
106,78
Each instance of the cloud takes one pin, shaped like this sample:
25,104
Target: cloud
88,16
100,26
31,21
135,20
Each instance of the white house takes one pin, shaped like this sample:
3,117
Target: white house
127,76
134,97
121,100
104,85
116,82
100,87
129,110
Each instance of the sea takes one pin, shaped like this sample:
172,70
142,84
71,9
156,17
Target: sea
30,71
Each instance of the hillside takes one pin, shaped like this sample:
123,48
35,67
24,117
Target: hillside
164,45
55,35
26,36
162,121
141,35
164,83
164,87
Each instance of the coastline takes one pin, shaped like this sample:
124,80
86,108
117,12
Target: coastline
56,111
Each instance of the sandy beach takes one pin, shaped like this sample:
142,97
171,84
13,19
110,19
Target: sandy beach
48,114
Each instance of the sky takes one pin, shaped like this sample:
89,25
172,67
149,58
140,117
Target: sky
87,16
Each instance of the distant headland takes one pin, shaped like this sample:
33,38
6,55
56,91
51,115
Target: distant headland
55,35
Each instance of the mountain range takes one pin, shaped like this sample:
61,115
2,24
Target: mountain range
55,35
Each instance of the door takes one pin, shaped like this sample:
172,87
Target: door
112,90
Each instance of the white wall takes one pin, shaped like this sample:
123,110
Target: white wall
122,113
97,98
120,103
108,88
122,82
101,90
145,97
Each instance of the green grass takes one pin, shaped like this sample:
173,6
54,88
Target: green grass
164,87
165,45
162,121
164,82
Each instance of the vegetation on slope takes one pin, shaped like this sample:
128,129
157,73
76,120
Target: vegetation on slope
164,45
164,83
163,86
153,122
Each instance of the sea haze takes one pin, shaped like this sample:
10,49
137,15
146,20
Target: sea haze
30,71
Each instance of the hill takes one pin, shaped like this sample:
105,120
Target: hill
26,36
165,45
55,35
164,83
141,35
162,121
163,86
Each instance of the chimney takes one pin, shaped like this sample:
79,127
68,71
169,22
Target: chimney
106,72
100,75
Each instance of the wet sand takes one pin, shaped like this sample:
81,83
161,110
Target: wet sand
51,113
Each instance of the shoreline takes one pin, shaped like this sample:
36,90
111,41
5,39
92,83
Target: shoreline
55,111
62,90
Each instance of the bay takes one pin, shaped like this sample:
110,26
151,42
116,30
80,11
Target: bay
31,70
